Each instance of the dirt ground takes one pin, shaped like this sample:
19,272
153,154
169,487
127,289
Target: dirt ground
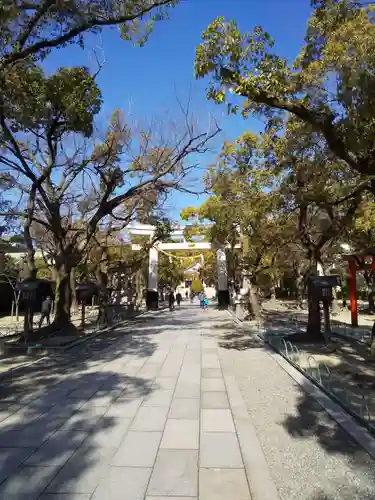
342,365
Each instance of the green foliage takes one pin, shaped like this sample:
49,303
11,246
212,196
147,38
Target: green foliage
361,233
44,271
170,271
67,101
11,270
197,286
330,86
32,29
72,94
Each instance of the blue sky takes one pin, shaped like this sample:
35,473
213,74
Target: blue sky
146,80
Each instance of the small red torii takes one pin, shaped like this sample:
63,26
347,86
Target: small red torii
357,262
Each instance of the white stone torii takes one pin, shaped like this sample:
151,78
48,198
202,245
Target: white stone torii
152,288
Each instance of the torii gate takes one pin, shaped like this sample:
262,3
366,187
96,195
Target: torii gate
357,262
152,297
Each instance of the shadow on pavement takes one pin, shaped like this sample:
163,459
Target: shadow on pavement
35,377
348,494
67,432
310,421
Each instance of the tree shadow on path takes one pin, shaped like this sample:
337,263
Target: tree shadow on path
61,438
311,421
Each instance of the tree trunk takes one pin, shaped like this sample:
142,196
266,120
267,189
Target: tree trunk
371,303
313,320
63,297
30,268
313,331
73,289
254,299
300,288
372,342
102,281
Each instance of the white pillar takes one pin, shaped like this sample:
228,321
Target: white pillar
319,269
153,270
222,273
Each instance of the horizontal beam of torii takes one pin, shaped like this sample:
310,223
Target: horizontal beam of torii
148,230
199,245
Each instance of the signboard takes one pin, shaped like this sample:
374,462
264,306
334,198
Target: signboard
27,286
83,288
324,281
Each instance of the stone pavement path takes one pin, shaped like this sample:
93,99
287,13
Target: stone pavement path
171,407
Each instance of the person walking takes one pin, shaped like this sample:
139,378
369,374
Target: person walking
178,299
45,311
201,297
171,300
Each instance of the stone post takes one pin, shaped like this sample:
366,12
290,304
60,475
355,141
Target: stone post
152,297
222,279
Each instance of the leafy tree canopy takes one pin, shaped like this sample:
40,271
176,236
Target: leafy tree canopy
30,29
329,86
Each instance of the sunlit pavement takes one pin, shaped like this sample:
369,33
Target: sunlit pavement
179,405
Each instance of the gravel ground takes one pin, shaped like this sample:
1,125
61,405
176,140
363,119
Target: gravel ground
310,457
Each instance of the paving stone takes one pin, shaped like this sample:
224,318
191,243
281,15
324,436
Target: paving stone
159,398
124,407
27,483
58,449
150,418
165,382
181,434
62,410
54,496
136,391
175,474
138,449
190,372
84,392
150,370
30,436
106,394
211,373
210,361
109,432
170,498
6,410
16,421
11,458
217,421
214,400
103,399
170,371
220,449
187,390
213,384
122,483
83,472
184,408
85,418
223,484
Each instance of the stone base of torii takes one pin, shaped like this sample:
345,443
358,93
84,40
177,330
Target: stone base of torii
152,294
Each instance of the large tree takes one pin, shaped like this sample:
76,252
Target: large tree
74,188
30,29
330,86
245,207
50,108
329,89
322,192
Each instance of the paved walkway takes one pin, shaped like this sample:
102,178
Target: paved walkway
177,406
